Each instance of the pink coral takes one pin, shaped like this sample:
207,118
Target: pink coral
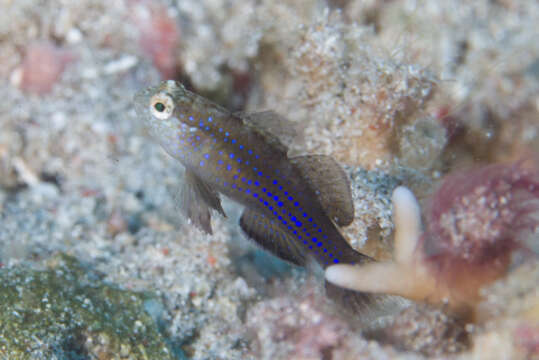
159,35
297,328
527,336
42,66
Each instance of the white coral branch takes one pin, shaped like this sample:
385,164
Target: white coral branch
405,275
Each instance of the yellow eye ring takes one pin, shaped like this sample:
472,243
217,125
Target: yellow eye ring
162,106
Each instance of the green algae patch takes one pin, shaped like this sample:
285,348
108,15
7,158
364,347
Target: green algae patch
67,312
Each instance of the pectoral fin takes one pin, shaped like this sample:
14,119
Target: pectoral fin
328,178
197,198
272,237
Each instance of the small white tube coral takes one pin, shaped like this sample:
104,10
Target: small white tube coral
474,223
404,276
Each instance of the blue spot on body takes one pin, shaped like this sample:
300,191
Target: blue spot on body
202,163
233,141
260,173
255,195
233,186
247,191
210,119
228,167
207,128
269,194
220,162
220,129
296,204
207,156
232,156
274,182
275,198
241,147
319,244
336,261
266,203
280,204
257,183
226,134
298,223
191,118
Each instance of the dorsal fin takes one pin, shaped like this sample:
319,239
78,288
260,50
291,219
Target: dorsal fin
272,237
330,181
278,130
197,198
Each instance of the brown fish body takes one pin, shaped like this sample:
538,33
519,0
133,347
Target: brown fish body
289,205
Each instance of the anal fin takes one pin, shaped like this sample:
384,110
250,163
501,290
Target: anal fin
197,199
272,237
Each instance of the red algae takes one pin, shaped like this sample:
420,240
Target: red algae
159,35
42,66
476,219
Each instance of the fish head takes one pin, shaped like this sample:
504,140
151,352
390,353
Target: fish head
165,110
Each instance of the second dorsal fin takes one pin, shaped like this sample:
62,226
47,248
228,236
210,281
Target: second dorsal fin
278,130
331,183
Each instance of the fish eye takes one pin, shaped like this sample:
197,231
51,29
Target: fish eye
162,106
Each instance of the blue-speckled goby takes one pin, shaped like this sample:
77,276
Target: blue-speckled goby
292,205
